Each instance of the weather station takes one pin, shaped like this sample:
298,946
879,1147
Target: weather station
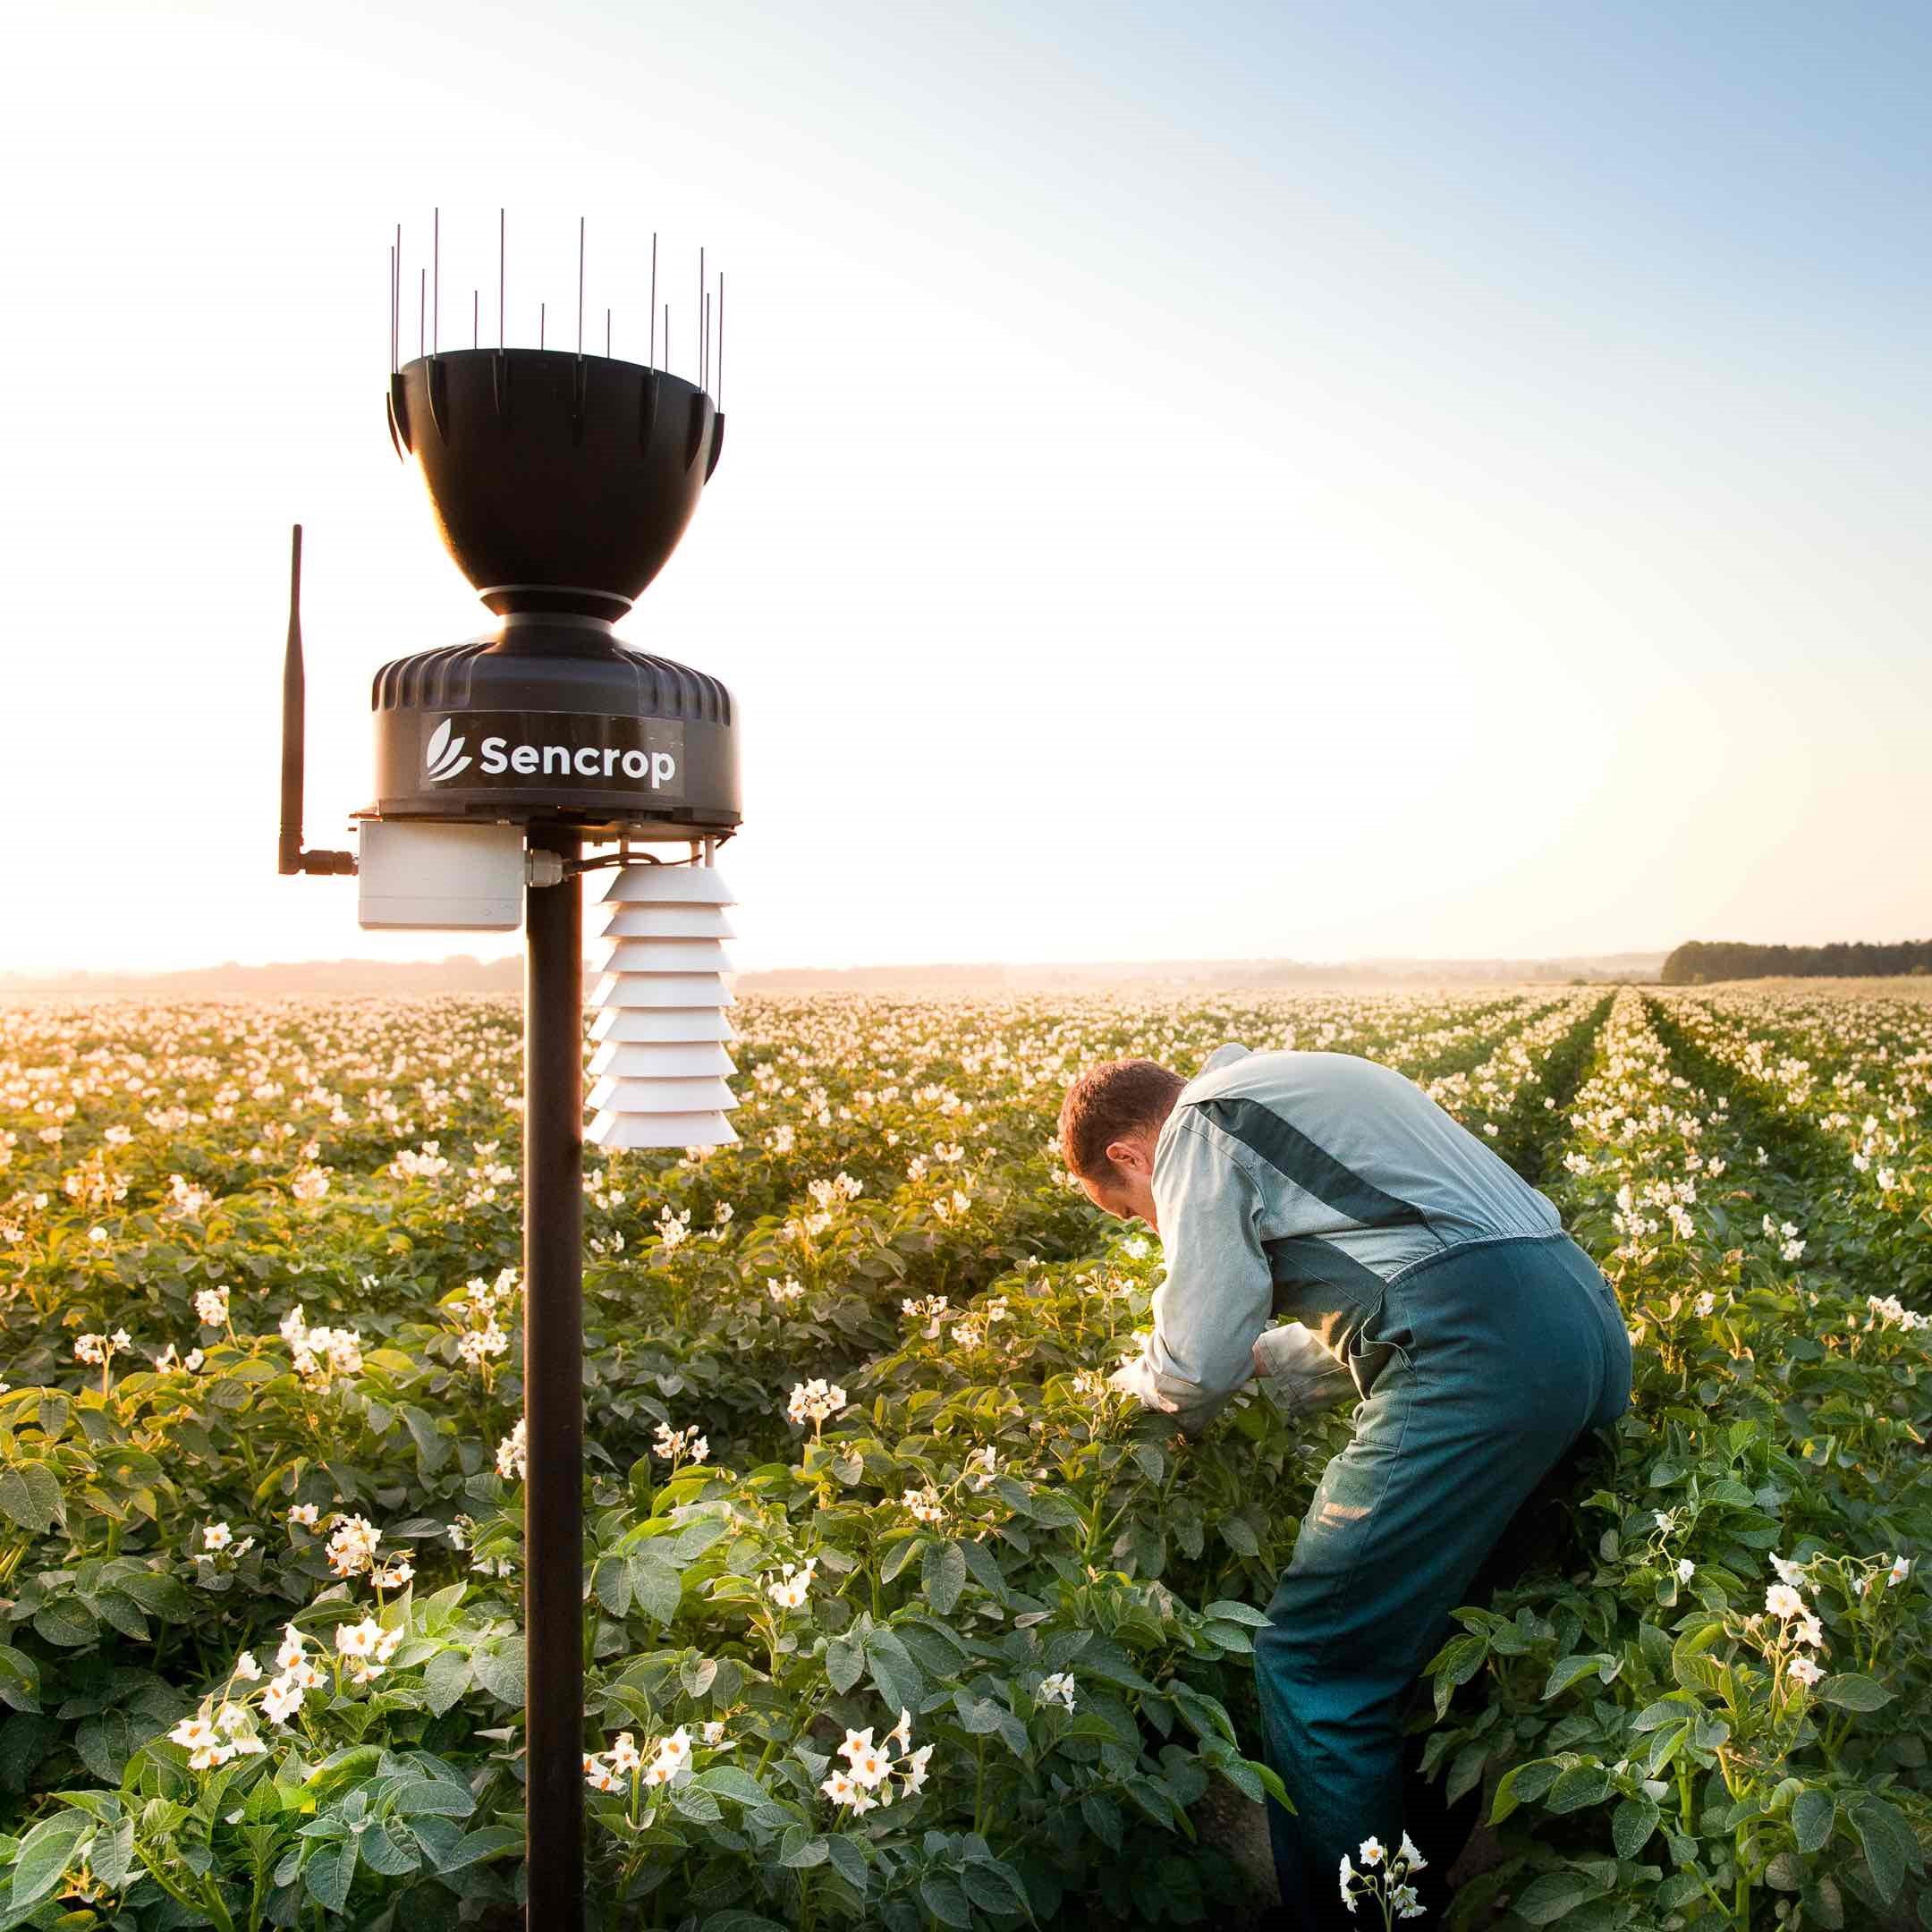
561,482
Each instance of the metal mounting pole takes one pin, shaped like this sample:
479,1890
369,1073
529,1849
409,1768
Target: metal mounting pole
553,1392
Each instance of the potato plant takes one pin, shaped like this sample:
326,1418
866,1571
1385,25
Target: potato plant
894,1615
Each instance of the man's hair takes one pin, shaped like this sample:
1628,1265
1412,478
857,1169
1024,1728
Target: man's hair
1109,1102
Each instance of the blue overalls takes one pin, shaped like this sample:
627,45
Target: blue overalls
1482,1340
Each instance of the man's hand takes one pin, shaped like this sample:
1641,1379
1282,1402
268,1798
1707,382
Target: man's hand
1130,1379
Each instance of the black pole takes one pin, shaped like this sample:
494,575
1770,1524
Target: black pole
553,1392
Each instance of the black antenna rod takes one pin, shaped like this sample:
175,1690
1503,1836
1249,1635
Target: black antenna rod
289,857
701,319
499,281
579,286
436,256
653,358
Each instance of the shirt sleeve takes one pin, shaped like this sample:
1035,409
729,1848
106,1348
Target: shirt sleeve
1297,1374
1219,1291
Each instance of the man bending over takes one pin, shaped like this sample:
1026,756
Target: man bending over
1439,1287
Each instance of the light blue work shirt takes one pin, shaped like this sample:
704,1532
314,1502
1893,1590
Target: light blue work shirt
1277,1170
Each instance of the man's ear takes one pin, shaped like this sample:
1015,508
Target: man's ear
1130,1156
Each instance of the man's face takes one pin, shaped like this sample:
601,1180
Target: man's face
1126,1191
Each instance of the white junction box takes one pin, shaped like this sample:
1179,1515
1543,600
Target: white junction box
439,877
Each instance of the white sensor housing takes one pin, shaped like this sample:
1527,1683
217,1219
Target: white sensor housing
660,1063
439,877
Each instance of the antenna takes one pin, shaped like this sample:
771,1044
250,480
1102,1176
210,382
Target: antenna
294,718
652,358
436,256
499,281
718,396
579,286
290,855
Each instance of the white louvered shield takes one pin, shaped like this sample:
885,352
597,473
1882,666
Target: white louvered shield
661,1066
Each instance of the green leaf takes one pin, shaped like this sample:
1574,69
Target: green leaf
901,1554
111,1857
1239,1536
1153,1463
30,1495
328,1874
845,1661
1052,1512
19,1680
389,1850
1225,1610
446,1679
45,1852
1853,1691
1671,1709
1204,1715
993,1886
655,1585
610,1582
1891,1847
1102,1818
851,1860
487,1842
500,1670
1632,1824
894,1674
1523,1784
67,1623
1457,1662
1548,1897
727,1781
943,1576
946,1902
1812,1817
1570,1668
432,1446
1581,1785
432,1797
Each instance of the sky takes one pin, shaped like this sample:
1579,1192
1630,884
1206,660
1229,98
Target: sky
1214,481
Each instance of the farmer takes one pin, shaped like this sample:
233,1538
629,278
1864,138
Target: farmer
1420,1274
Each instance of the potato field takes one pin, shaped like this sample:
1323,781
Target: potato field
895,1615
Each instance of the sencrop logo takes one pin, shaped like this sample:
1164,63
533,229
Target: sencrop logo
443,756
512,759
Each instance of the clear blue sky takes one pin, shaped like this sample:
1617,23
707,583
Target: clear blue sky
1207,479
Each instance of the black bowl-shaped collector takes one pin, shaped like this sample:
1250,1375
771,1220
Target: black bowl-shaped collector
559,482
561,485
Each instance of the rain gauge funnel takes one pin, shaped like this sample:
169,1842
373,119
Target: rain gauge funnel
560,483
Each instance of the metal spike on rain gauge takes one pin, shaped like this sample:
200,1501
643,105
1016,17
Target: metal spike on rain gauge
660,1005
